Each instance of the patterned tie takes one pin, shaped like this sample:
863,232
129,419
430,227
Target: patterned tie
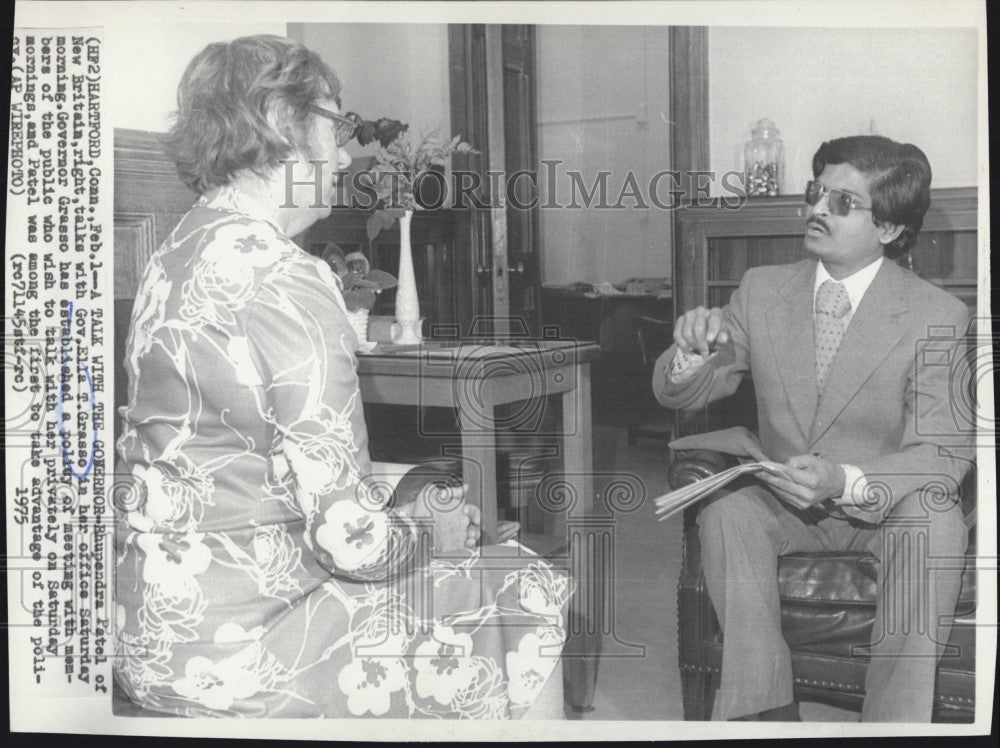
832,304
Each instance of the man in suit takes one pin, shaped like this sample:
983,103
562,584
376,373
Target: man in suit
842,348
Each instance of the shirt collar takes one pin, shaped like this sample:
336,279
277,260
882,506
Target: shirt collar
230,198
856,283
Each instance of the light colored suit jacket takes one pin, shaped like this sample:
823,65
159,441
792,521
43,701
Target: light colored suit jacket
888,402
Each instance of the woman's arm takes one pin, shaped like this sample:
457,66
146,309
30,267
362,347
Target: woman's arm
300,340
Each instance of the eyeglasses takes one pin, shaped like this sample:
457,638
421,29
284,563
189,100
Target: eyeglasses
347,125
841,203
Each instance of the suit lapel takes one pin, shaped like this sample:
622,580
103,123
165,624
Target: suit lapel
790,326
877,325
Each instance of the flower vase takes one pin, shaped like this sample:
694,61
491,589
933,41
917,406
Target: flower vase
407,303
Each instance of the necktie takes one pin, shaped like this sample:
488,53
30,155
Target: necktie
832,304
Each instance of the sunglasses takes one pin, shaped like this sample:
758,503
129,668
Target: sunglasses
841,203
347,124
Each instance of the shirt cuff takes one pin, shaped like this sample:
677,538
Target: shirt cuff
685,366
856,503
855,489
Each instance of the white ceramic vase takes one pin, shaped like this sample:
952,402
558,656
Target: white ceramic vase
407,303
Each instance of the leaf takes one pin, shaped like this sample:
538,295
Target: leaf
352,300
381,279
373,226
366,299
351,280
394,213
359,299
366,133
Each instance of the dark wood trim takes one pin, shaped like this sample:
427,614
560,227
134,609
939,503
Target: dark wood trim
689,97
689,147
467,66
521,153
139,153
497,162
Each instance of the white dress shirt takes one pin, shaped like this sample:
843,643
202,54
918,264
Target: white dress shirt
686,365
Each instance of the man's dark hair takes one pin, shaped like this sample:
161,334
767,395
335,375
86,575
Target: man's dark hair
900,185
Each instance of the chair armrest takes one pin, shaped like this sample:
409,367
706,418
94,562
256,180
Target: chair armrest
695,464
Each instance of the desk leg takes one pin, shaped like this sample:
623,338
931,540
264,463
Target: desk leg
584,643
578,447
479,452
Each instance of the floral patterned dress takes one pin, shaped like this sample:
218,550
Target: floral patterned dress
259,570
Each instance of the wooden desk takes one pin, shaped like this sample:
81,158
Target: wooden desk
474,378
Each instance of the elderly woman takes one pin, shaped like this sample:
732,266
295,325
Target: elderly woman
262,567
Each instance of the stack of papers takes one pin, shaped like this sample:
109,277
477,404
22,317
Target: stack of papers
675,501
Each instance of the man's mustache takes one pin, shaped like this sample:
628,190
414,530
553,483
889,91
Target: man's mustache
819,222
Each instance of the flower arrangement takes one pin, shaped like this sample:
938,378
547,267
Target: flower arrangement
361,283
399,167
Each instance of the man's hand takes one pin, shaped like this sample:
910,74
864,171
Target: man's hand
812,479
701,330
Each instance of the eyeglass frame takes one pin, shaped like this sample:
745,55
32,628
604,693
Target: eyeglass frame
350,119
834,194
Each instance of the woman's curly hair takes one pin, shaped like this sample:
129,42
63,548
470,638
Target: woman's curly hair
901,181
243,105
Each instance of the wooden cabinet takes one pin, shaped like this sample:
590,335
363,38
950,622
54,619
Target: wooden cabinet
717,244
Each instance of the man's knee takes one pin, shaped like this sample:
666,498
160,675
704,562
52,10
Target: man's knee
935,525
743,509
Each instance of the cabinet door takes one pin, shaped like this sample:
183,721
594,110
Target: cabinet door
493,107
521,154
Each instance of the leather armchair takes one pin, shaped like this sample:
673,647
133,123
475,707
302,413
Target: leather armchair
827,607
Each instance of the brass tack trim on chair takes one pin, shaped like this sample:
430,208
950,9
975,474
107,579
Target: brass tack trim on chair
700,668
828,684
957,700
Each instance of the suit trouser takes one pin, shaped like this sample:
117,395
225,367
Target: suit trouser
744,531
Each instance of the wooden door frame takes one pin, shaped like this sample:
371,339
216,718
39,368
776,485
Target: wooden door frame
468,118
689,145
689,142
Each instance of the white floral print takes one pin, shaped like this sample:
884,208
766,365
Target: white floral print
529,667
149,311
176,495
353,536
278,559
541,590
444,665
230,632
173,561
370,682
216,685
238,351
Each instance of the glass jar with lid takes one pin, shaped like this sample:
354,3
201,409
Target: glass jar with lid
763,158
